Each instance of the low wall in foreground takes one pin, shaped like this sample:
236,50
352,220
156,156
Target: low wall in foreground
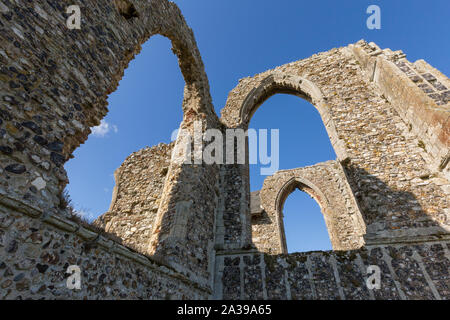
36,250
406,272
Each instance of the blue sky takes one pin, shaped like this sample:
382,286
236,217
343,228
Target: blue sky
239,39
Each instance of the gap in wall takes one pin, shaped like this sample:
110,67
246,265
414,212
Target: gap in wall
303,141
304,224
143,111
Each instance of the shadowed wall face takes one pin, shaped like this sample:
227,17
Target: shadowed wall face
55,82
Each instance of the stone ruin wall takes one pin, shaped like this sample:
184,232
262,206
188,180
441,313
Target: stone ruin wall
399,190
136,196
390,136
327,184
53,89
36,248
419,93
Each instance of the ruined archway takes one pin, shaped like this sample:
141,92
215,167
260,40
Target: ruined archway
352,88
242,103
70,96
72,78
164,18
135,121
251,93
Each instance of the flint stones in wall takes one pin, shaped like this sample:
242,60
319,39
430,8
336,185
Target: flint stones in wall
16,168
39,183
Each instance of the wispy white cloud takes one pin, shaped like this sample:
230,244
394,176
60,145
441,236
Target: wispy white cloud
85,214
103,129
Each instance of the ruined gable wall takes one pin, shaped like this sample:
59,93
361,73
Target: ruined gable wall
327,184
399,194
55,82
136,196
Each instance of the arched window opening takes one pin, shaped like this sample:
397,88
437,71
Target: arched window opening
144,111
303,141
304,224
